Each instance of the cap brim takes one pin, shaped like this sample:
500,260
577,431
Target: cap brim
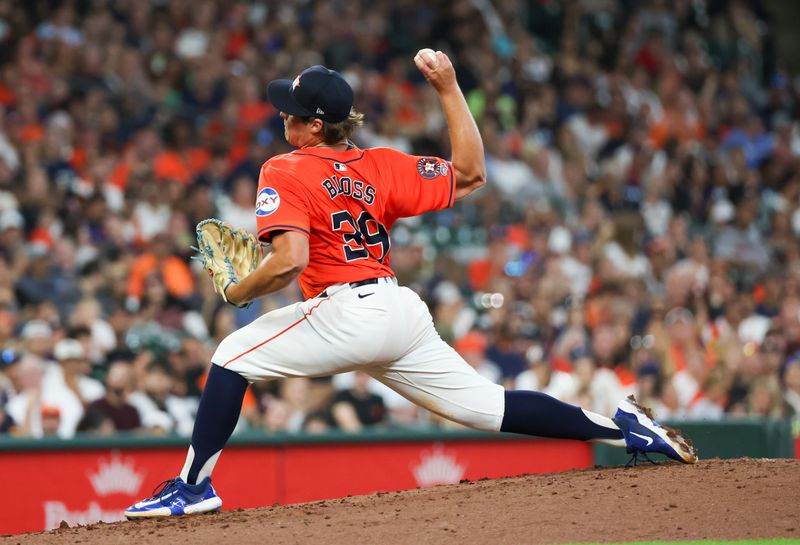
279,94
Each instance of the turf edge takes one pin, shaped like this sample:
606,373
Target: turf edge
774,541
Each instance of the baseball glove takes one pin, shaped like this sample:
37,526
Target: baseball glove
227,254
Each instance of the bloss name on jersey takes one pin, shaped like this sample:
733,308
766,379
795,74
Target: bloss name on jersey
357,189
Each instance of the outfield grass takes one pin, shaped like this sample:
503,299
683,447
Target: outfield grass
774,541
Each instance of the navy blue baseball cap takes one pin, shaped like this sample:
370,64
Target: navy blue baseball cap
317,92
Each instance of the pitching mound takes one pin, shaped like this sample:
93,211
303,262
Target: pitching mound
723,499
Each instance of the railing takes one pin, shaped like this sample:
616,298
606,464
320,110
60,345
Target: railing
255,438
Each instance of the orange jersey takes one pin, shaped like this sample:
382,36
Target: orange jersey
345,203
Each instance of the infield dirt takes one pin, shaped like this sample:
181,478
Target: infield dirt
722,499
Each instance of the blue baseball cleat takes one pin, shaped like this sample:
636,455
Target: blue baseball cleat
643,434
174,498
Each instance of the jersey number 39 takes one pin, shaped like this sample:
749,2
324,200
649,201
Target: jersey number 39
361,235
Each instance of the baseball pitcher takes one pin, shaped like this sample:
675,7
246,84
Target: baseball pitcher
327,209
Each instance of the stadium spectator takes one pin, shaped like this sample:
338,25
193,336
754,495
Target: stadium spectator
63,388
114,405
507,353
597,389
791,380
155,268
6,423
357,407
37,338
50,420
317,422
27,396
8,387
159,410
709,403
764,398
276,418
294,394
453,317
472,347
541,377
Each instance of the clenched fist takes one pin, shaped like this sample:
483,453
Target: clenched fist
437,69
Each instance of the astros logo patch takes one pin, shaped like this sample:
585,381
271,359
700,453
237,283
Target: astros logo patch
267,202
429,168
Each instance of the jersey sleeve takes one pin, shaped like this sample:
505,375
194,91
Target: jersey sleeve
419,184
281,204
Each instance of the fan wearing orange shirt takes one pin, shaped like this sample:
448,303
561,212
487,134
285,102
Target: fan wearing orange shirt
327,209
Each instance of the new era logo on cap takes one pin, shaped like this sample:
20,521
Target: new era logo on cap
317,92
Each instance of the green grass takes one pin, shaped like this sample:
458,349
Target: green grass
774,541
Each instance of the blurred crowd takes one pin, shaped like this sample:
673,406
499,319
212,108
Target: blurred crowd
638,233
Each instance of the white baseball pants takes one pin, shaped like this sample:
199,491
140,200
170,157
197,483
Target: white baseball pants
381,329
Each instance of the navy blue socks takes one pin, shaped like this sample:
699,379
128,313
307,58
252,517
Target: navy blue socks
529,413
535,413
217,416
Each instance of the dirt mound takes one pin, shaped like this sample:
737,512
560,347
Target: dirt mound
724,499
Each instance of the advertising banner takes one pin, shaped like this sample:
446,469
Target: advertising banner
90,485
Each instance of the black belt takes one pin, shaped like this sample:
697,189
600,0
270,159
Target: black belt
354,285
